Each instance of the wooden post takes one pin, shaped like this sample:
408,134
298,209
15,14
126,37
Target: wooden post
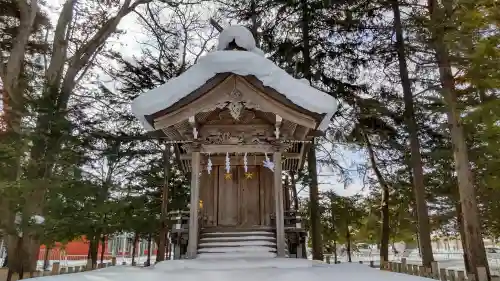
55,268
481,274
113,261
360,262
460,275
409,269
278,199
109,264
63,270
435,270
328,257
421,271
403,265
77,268
415,270
471,277
451,274
192,249
442,274
89,265
372,264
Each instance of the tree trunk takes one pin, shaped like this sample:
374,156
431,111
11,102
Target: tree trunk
416,158
348,241
255,23
134,248
335,257
148,261
472,229
94,247
46,258
286,193
294,192
460,224
103,247
317,245
384,209
160,254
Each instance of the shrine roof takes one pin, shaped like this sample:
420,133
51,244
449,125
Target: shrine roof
244,63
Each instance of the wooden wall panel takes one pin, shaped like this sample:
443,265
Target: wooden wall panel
249,197
208,188
267,195
228,198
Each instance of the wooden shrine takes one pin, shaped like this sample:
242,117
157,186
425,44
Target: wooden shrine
235,137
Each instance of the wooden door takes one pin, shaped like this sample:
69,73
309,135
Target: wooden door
249,197
228,198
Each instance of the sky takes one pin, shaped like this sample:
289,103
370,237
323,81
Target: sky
129,45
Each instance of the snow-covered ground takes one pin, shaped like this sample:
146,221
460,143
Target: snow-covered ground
247,269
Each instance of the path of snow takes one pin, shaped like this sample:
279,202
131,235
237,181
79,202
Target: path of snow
271,269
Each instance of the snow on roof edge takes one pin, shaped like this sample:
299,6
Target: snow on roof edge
240,63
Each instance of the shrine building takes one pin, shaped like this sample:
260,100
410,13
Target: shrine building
238,123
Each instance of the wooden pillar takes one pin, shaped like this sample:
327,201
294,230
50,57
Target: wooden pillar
278,199
192,249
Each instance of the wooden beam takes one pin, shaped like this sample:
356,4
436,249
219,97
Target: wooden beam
231,148
220,159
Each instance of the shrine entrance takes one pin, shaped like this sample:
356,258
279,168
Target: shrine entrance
244,200
238,198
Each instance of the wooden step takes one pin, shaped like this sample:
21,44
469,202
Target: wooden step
230,243
237,235
220,229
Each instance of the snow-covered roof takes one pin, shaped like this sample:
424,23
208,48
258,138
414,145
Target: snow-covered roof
242,63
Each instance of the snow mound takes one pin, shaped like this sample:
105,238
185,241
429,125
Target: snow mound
240,63
240,34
